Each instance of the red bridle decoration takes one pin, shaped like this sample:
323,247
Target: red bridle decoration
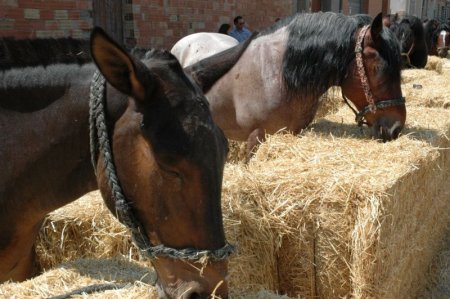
362,71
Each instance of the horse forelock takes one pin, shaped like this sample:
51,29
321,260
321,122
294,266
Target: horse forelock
319,48
389,50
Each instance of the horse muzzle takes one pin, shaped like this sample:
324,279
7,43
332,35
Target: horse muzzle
179,279
386,130
443,52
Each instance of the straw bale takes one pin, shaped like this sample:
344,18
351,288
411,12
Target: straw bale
330,102
84,228
132,280
438,284
69,276
435,63
237,151
426,88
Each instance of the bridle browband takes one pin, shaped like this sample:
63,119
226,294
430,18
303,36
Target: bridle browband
99,143
372,106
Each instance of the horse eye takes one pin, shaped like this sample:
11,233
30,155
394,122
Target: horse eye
170,170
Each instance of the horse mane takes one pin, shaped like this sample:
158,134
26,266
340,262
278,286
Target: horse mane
362,19
319,49
42,51
39,76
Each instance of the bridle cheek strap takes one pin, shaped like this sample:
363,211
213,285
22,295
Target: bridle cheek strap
372,106
361,70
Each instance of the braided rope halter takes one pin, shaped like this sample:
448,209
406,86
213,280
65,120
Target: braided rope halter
100,143
372,106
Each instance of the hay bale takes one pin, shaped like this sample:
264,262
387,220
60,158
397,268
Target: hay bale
438,284
237,151
330,102
83,229
133,280
435,63
426,88
69,276
321,202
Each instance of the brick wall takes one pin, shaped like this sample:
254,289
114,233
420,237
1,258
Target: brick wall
49,18
147,23
162,23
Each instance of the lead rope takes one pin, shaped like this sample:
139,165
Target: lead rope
408,60
124,212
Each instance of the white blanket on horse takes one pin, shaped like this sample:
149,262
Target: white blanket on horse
197,46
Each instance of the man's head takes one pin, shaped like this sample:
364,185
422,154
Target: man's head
239,22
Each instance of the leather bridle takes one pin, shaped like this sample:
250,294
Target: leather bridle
372,105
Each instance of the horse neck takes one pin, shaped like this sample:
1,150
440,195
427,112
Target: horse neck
56,135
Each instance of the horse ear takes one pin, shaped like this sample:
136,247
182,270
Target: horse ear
115,64
376,27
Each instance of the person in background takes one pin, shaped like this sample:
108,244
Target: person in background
224,28
240,32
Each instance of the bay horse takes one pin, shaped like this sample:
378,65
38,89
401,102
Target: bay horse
437,37
410,32
142,133
280,77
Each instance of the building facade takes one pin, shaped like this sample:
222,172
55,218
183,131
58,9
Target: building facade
142,23
160,23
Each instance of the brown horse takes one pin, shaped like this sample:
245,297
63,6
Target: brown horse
279,79
158,159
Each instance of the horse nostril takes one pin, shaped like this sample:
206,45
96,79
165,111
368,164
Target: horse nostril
395,130
194,296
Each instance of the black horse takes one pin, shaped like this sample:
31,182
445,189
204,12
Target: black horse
410,32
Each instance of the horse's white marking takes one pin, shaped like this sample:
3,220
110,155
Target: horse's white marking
443,34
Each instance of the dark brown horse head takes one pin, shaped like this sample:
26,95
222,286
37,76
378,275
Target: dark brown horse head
373,81
169,156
